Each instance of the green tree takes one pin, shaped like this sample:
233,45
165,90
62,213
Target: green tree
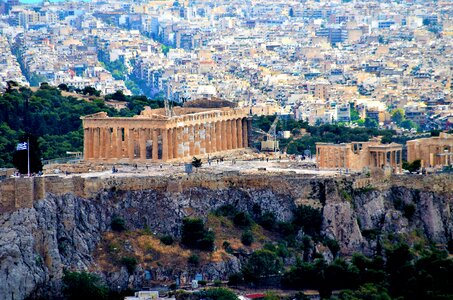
408,124
118,224
242,219
216,294
262,263
247,238
89,90
83,285
370,123
195,236
413,166
397,115
130,263
63,87
355,116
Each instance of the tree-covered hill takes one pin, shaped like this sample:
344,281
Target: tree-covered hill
52,120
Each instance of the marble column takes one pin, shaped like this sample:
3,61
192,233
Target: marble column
119,143
180,142
239,133
186,142
165,147
207,137
96,143
234,135
203,139
171,145
245,132
196,139
224,135
130,144
229,135
213,137
218,136
113,143
155,146
142,138
191,136
86,143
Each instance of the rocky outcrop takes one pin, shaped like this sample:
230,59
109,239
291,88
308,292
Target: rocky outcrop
63,231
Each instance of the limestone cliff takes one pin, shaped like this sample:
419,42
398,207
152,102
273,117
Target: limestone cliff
64,230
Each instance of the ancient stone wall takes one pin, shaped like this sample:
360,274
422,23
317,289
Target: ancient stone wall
18,193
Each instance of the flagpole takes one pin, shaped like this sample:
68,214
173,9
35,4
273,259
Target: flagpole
28,155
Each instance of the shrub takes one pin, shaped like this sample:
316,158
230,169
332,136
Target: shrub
118,224
333,246
261,263
309,218
217,282
268,220
167,240
247,238
226,210
195,236
193,260
235,279
227,246
217,294
202,282
83,285
242,219
130,263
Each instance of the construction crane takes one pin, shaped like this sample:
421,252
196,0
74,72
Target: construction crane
271,135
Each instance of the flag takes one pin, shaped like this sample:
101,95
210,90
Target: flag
22,146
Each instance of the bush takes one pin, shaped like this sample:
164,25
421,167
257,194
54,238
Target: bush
167,240
247,238
194,260
226,210
217,294
268,220
195,236
235,279
83,285
217,282
202,282
413,166
333,246
130,263
242,219
310,219
118,224
261,263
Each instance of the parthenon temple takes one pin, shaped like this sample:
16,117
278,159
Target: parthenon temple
360,155
155,136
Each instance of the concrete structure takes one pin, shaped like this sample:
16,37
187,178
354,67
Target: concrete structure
154,136
433,152
360,155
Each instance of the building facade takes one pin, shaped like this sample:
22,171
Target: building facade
432,152
154,136
358,156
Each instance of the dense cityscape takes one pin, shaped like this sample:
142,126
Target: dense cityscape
310,60
226,150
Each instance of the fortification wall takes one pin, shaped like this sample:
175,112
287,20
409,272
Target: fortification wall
18,193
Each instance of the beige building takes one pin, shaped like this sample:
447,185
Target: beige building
360,155
154,136
433,152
